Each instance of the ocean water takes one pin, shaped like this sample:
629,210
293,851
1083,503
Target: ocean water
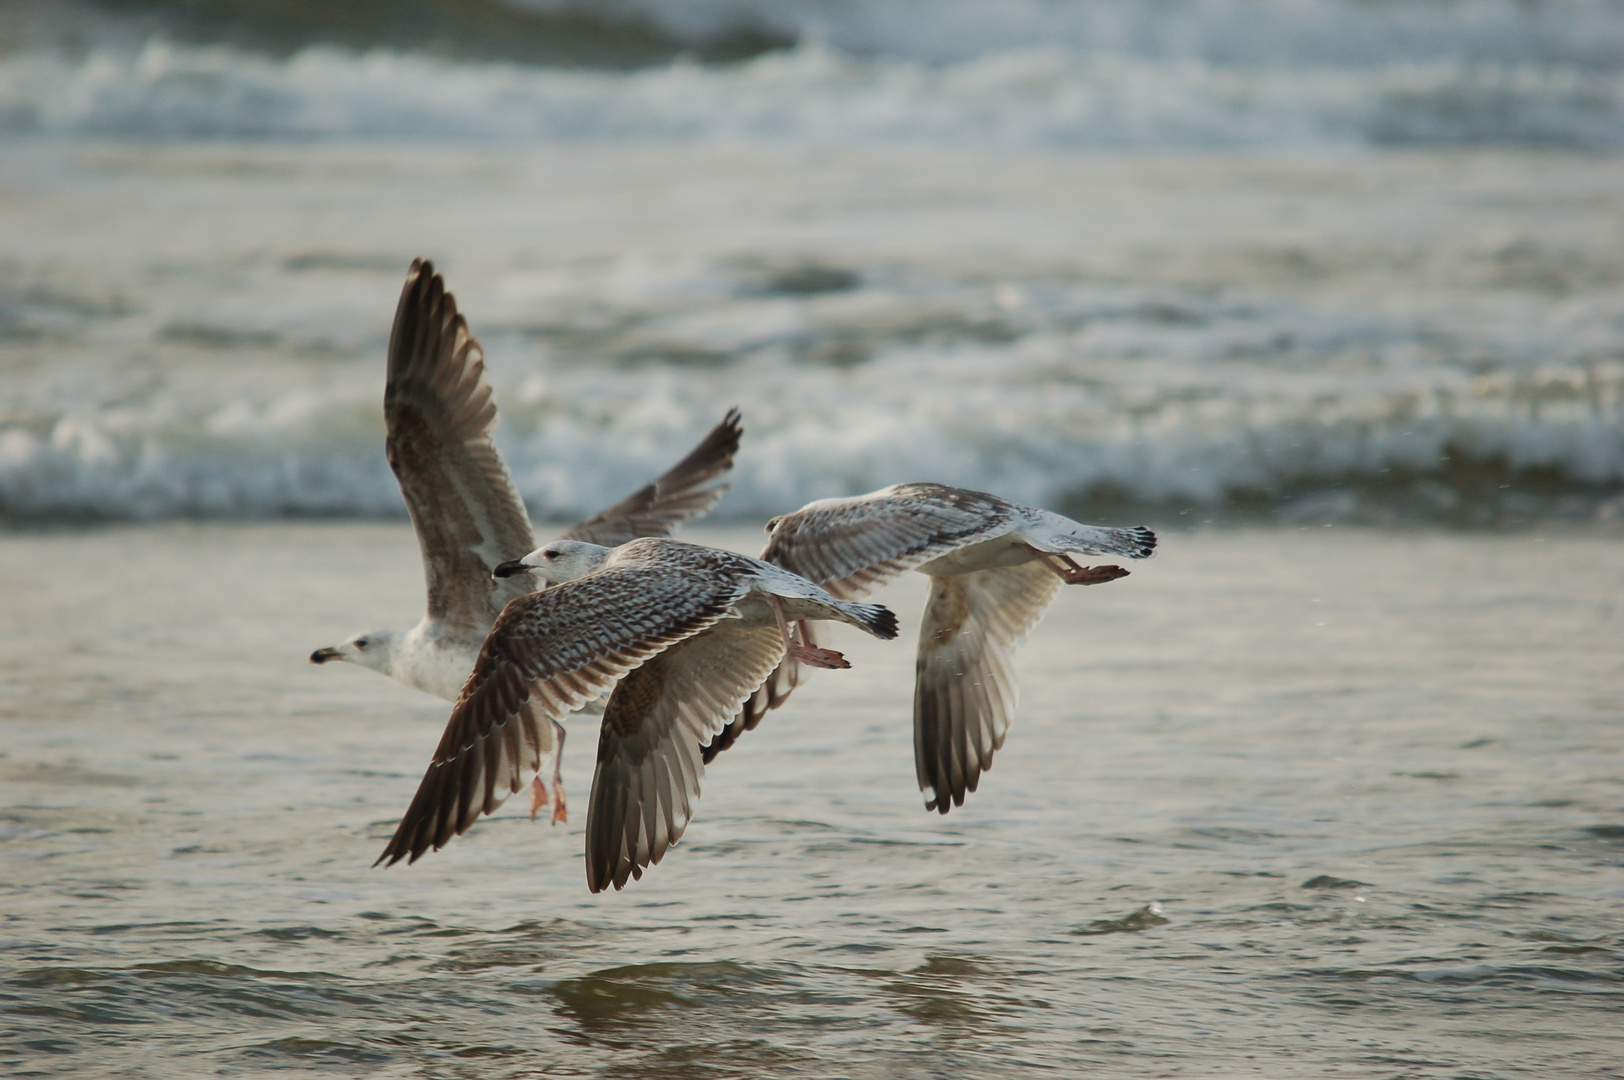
1284,802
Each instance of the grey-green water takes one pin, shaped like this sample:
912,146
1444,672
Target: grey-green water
1283,803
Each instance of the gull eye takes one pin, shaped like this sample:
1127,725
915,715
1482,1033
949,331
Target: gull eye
360,643
551,555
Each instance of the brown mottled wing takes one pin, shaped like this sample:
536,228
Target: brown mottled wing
964,689
438,411
853,546
649,766
548,654
678,496
772,693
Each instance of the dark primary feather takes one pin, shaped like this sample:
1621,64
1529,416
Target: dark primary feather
549,653
677,496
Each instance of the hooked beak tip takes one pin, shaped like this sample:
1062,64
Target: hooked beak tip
321,656
510,568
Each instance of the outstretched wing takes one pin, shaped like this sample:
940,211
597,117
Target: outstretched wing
649,746
548,654
853,546
678,496
438,413
964,689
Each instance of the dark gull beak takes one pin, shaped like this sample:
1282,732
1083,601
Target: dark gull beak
321,656
511,568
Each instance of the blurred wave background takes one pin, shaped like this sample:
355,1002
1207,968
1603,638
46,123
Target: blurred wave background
1282,260
1292,800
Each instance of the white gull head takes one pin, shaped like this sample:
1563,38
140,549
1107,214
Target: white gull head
375,650
561,560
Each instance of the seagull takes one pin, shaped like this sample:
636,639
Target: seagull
994,568
682,633
466,511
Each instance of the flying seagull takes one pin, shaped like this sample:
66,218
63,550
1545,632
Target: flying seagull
681,632
994,568
468,516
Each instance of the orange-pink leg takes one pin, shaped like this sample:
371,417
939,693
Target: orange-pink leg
810,655
538,790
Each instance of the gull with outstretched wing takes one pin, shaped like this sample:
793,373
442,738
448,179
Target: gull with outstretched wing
994,568
682,634
466,511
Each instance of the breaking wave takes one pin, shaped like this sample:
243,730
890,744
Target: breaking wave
1037,97
1488,449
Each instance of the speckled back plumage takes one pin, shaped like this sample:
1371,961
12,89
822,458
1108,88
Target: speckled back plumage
853,546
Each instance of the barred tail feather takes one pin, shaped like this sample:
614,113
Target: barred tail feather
1135,543
877,619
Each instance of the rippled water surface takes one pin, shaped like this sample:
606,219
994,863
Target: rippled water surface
1283,803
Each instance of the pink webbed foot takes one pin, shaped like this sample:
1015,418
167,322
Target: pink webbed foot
813,656
796,649
1067,570
538,797
560,811
1091,575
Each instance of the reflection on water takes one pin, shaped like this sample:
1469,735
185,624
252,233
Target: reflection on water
1145,918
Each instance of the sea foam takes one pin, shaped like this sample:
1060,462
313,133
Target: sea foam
1025,422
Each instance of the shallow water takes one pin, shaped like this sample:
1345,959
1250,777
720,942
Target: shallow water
1316,802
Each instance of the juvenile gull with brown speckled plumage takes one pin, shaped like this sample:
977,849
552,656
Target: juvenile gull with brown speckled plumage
681,632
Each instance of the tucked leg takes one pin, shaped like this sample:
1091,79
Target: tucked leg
810,655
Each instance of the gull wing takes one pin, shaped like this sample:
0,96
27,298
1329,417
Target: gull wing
679,495
649,746
964,688
549,653
853,546
439,415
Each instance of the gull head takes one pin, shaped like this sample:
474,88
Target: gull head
561,560
368,650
